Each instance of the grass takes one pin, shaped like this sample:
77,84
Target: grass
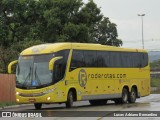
2,104
155,92
155,82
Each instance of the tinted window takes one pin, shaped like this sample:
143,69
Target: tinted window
136,60
144,59
126,59
90,58
60,65
115,59
108,59
77,60
103,59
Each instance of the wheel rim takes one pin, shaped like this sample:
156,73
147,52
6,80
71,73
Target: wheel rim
125,97
133,95
71,99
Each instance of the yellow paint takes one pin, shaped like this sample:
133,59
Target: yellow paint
52,61
95,85
10,66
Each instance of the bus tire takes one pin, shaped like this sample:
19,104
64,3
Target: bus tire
124,98
132,96
38,106
70,100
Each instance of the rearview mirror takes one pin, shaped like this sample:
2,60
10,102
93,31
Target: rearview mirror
52,61
10,66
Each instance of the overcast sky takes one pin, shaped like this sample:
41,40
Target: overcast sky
124,13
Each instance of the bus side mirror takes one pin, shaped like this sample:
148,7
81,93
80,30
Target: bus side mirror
52,61
10,66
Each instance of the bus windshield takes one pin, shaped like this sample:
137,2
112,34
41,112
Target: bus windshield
33,72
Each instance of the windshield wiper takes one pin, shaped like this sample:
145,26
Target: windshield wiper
36,77
18,69
27,77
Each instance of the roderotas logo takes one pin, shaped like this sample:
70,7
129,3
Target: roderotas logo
82,78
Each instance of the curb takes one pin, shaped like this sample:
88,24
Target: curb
14,106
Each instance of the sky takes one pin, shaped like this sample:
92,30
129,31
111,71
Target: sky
124,13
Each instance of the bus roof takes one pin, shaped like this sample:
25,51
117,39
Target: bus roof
54,47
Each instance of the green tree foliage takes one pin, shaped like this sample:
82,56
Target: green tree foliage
105,33
24,23
54,21
6,54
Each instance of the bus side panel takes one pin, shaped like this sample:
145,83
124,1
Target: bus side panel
138,77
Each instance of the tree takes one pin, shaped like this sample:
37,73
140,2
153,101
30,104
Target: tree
59,15
55,20
6,55
24,23
105,33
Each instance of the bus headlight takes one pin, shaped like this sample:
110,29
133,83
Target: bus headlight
17,93
17,100
48,98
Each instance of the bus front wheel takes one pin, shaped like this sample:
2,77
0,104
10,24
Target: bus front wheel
38,106
70,100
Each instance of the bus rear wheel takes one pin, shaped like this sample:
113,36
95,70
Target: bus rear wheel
38,106
70,100
124,98
132,96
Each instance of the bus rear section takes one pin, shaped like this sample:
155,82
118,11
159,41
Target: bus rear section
121,76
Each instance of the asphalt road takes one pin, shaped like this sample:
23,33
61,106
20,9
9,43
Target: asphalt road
83,109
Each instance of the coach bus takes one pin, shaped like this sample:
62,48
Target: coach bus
68,72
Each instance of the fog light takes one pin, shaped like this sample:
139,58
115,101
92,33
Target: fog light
17,100
48,98
17,93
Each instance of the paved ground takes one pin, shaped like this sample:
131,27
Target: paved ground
83,108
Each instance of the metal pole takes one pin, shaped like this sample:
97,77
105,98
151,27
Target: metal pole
142,33
142,29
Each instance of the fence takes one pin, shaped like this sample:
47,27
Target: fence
7,88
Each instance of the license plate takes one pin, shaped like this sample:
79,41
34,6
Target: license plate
32,100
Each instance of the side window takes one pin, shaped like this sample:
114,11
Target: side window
137,58
90,58
134,60
127,60
60,65
115,59
131,59
77,60
123,59
103,59
144,59
100,59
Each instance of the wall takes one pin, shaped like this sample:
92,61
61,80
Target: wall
7,88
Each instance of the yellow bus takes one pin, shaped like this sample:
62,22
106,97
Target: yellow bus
68,72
